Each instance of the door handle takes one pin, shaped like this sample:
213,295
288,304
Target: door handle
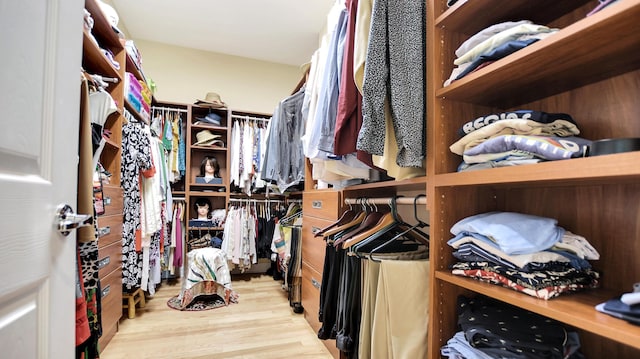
68,220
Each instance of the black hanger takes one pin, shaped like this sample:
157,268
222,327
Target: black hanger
385,232
406,236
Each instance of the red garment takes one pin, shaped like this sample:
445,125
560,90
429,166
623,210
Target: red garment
83,333
349,113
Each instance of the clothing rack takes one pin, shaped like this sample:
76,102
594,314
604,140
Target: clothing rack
156,108
239,117
267,200
386,200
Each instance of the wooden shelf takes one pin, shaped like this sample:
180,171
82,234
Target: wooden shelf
94,60
588,170
576,309
209,148
418,183
207,194
191,228
101,27
208,127
132,110
589,69
563,61
114,145
215,185
463,16
133,68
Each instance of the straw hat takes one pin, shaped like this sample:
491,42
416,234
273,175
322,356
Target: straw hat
205,138
212,99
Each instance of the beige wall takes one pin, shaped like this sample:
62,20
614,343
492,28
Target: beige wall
184,75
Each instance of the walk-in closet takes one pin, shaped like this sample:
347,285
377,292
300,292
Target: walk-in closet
346,179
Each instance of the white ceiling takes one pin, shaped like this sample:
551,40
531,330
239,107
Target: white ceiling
280,31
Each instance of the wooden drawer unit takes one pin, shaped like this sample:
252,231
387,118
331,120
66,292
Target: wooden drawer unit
322,204
111,286
311,282
313,248
110,230
109,258
113,200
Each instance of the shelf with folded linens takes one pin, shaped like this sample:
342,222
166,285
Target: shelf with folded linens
587,69
562,61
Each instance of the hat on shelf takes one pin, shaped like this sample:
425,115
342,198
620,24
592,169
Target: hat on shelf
212,118
206,138
212,99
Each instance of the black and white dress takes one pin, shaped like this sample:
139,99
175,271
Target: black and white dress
136,156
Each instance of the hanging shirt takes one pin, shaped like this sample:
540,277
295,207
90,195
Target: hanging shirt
395,72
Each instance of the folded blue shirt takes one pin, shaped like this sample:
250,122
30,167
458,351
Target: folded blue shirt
511,232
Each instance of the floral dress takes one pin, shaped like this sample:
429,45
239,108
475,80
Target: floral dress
136,156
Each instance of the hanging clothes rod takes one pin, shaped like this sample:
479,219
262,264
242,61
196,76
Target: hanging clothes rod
238,117
385,200
105,79
255,200
154,108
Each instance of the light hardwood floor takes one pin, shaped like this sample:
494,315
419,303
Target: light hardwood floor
261,325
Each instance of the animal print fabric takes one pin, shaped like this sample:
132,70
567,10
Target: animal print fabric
394,72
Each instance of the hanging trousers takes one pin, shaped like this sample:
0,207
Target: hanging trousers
394,309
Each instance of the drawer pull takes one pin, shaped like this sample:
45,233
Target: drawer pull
105,291
315,283
316,204
107,200
103,262
103,231
315,229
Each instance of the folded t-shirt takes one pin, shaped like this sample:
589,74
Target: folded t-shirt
545,147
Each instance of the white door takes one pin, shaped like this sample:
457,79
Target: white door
41,44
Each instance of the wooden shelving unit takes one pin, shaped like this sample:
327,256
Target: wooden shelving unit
589,69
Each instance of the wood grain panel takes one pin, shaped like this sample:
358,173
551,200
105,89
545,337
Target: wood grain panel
109,258
311,280
113,200
322,204
114,225
313,248
111,287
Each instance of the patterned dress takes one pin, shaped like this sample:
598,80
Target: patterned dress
136,156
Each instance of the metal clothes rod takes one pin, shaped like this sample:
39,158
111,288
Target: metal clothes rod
385,200
238,117
153,108
105,79
254,200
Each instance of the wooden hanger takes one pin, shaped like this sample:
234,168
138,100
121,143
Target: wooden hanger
383,223
401,232
354,222
370,220
347,216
